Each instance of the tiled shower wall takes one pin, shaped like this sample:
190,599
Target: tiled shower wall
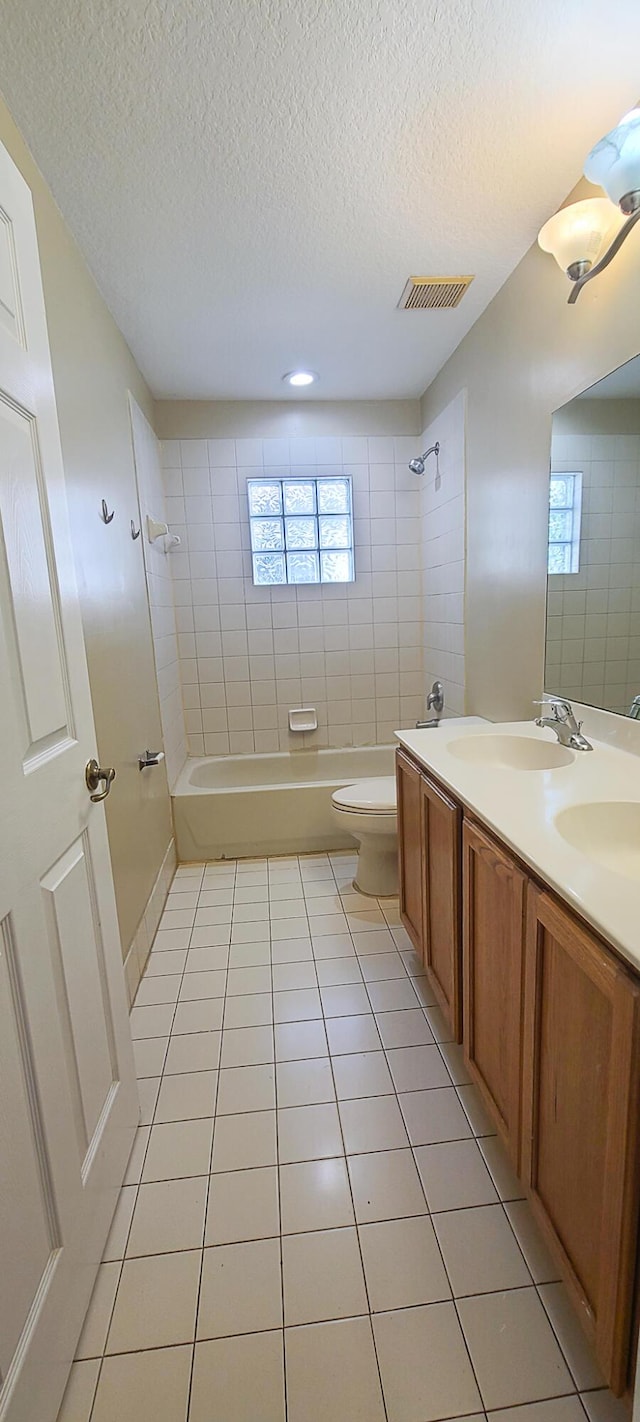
160,588
248,654
593,616
443,555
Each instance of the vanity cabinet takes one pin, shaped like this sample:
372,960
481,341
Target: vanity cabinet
581,1104
551,1029
429,832
442,939
494,898
410,848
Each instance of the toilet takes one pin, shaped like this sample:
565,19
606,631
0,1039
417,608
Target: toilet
367,810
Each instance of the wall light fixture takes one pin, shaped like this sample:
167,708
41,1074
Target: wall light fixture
585,236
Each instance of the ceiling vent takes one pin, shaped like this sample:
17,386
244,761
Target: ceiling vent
433,293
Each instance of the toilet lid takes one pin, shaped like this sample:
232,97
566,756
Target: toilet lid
368,796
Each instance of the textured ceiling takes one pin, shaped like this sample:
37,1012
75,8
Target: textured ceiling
252,181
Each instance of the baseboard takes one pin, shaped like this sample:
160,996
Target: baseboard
135,961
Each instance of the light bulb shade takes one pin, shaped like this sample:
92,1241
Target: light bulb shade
614,163
577,234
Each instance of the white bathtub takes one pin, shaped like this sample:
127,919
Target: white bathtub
240,805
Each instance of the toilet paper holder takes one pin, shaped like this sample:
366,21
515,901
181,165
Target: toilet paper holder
150,758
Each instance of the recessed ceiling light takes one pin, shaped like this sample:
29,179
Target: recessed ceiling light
300,377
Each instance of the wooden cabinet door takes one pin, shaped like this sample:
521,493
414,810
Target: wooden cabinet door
410,848
441,823
581,1111
493,953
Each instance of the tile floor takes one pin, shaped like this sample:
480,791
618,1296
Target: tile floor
317,1223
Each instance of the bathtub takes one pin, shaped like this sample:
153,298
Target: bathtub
242,805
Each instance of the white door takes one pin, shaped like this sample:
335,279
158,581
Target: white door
68,1105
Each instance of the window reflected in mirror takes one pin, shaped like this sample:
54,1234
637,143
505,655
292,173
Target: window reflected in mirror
593,585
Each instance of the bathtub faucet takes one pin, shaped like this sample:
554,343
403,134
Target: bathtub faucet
435,702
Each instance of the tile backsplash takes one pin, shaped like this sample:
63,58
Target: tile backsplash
354,651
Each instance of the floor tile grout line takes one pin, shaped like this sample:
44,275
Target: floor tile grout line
439,1042
403,1308
387,1219
137,1196
207,1195
413,1150
454,1301
277,1132
556,1333
429,1214
310,1160
357,1230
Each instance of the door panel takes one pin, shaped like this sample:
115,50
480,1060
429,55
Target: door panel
10,309
68,1104
410,848
33,602
494,903
441,822
28,1227
76,949
581,1090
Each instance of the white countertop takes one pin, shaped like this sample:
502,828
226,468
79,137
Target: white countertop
520,807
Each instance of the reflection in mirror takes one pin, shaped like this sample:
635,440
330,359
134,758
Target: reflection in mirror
593,585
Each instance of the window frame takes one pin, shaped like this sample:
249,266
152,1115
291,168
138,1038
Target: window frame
316,515
574,507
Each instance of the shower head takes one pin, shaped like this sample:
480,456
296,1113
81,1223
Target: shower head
417,465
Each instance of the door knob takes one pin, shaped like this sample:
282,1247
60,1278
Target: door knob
94,775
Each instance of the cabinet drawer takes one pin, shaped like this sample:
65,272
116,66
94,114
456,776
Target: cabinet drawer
410,849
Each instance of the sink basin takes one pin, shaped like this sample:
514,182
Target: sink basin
511,752
607,833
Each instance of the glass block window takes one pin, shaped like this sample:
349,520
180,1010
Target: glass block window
565,504
301,530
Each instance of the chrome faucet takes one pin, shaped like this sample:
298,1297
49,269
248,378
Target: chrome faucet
563,722
435,702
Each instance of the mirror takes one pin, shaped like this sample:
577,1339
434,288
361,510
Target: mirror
593,584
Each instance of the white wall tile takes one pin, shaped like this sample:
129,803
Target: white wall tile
221,453
150,460
354,652
193,453
442,552
275,452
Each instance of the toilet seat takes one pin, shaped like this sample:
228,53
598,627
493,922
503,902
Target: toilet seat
368,797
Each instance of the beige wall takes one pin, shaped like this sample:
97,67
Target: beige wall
287,419
93,370
527,354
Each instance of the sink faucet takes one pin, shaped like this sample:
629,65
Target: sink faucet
435,702
563,722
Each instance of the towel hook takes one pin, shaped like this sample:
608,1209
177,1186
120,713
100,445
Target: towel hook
105,515
135,533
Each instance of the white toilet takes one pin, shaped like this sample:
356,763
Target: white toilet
367,810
